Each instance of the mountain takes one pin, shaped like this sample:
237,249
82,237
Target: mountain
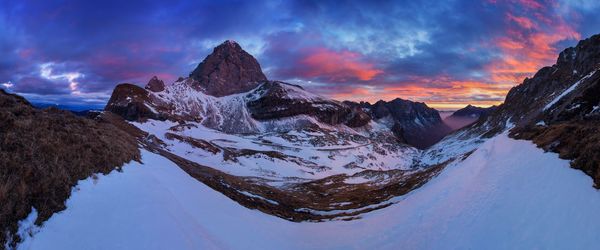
44,153
228,70
414,122
466,116
473,111
256,105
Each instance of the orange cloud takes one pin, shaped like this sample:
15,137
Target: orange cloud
532,4
339,66
440,92
522,21
528,43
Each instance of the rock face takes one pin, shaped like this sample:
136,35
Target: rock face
155,85
415,122
131,102
228,70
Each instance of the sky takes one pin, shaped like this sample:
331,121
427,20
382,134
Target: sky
445,53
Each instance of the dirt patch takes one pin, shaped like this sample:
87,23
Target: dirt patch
43,153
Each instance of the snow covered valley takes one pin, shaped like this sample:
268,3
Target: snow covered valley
507,194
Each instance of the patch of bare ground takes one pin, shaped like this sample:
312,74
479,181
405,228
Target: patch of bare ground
576,141
44,153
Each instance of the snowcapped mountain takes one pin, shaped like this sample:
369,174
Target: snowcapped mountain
261,106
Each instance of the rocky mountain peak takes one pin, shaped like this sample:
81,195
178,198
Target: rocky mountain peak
473,111
155,85
228,70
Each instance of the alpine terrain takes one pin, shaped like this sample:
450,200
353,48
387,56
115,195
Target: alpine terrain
229,159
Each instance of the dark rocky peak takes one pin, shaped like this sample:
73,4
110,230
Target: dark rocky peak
130,102
473,111
404,109
526,101
413,122
155,85
228,70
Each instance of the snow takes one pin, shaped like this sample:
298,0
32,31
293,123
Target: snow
569,90
27,227
508,194
302,159
356,180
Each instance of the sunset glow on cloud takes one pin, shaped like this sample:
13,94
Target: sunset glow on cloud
447,54
342,66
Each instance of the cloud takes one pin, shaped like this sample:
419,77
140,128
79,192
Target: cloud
333,66
446,53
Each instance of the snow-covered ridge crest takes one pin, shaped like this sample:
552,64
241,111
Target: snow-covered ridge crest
184,100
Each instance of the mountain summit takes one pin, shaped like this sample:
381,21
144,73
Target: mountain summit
228,70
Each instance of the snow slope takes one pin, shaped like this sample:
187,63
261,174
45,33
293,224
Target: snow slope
306,159
507,194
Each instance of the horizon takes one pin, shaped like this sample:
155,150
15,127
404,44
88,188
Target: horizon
447,55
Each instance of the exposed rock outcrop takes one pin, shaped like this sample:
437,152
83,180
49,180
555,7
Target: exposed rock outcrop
155,85
132,103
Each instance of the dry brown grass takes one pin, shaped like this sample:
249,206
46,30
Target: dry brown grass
577,141
43,153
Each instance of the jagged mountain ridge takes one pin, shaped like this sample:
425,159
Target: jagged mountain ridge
262,106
